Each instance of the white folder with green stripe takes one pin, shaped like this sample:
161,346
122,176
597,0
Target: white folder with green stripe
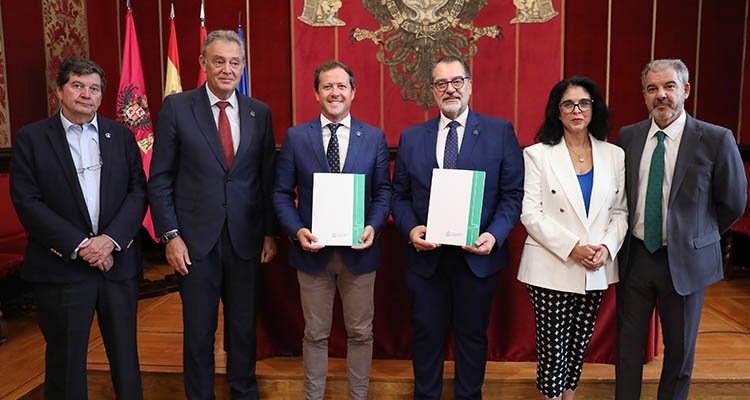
455,210
338,208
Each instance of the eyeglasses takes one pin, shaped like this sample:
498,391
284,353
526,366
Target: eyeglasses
91,168
95,167
457,83
569,106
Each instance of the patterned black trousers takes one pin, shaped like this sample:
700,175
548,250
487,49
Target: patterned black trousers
564,326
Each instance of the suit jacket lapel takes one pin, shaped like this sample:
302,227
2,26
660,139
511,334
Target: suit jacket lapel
430,142
691,137
204,118
356,136
633,155
563,169
106,152
602,179
247,125
315,143
56,135
470,138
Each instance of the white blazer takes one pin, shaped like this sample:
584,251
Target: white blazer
555,216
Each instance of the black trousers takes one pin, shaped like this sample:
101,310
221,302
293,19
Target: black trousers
648,284
65,313
224,276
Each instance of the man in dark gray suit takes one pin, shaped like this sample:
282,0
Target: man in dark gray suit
686,185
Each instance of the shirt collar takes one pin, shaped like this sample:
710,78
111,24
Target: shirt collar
673,130
67,124
461,119
347,121
213,99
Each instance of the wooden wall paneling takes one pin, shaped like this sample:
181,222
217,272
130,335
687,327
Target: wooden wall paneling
24,62
630,51
496,62
319,41
100,16
270,60
586,40
720,59
677,34
538,70
366,68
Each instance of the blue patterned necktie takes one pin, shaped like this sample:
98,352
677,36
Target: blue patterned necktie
652,218
451,146
332,153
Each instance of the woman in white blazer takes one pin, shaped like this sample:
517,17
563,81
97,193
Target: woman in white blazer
575,212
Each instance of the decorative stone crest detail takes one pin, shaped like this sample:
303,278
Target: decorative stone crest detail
415,33
533,11
321,13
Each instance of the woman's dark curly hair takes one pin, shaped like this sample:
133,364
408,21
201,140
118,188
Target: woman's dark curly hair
551,131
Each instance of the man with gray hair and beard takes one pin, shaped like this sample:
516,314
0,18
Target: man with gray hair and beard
685,185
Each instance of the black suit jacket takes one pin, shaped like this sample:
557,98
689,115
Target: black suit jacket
49,202
190,186
708,194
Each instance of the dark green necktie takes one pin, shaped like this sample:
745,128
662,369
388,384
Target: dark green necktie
652,219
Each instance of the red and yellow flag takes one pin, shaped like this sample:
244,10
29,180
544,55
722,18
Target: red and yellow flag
173,83
132,103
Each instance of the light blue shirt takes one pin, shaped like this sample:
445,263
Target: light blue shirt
83,142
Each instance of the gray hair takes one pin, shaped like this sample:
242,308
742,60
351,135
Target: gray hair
657,65
448,58
226,35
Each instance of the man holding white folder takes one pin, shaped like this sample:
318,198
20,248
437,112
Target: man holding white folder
452,286
331,144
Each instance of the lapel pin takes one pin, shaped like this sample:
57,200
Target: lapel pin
475,132
252,113
358,133
107,135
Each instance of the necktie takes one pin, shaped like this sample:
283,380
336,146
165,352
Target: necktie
451,146
225,133
652,219
332,152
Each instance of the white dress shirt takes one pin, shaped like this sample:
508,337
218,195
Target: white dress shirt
672,141
83,142
442,134
342,134
233,114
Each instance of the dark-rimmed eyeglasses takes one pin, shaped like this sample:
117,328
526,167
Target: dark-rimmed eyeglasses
569,106
457,83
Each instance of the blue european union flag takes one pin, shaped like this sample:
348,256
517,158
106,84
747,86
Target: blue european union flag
244,86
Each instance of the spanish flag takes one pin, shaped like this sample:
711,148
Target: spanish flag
172,84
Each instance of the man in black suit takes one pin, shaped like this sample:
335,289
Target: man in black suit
685,185
79,190
210,190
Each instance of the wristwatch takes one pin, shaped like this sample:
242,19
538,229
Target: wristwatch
170,235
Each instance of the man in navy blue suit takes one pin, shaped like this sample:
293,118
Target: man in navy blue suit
334,142
451,286
77,183
210,192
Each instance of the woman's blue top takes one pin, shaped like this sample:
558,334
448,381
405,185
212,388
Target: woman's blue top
587,182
